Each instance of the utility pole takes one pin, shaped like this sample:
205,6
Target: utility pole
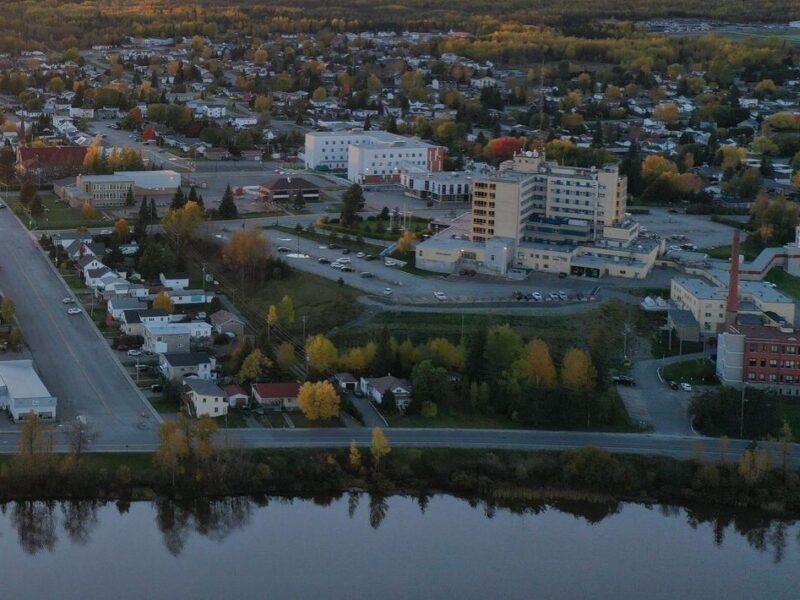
304,329
204,275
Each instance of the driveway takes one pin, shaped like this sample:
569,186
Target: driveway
651,400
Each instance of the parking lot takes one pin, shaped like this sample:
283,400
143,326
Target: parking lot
699,230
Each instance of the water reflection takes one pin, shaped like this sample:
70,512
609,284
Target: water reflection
38,523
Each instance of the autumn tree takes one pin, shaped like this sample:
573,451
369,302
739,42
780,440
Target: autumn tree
655,165
406,241
318,400
7,310
164,302
173,447
286,357
247,252
322,354
354,457
286,311
121,230
577,371
181,224
539,363
667,112
380,446
502,148
89,211
254,366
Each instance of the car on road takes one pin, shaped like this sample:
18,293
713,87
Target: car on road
562,275
134,352
624,380
2,205
360,255
68,300
345,250
367,275
347,269
387,291
370,257
284,249
440,296
553,296
105,232
536,296
324,261
333,247
674,385
686,387
74,311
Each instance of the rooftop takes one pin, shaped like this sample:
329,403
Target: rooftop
21,381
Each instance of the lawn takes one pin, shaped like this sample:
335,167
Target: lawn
234,420
788,284
162,406
699,371
302,421
452,420
371,228
58,214
410,266
724,252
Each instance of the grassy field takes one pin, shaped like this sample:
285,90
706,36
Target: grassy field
724,252
301,421
560,331
788,284
58,214
697,371
370,228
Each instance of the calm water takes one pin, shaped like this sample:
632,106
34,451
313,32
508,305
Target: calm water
362,547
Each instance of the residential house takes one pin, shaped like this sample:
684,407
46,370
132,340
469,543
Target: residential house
277,396
133,320
174,281
118,305
202,397
180,297
162,339
50,162
176,366
375,389
345,381
236,395
224,321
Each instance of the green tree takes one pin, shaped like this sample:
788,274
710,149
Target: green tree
503,347
178,200
129,198
352,201
227,206
286,311
384,359
7,310
429,384
7,162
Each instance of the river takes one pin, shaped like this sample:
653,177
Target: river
359,546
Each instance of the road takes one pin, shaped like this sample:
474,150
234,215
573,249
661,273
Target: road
75,363
653,401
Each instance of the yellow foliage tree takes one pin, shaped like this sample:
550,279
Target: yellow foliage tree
163,301
655,165
354,457
182,223
322,354
380,445
406,241
88,210
318,400
254,366
667,112
577,371
541,369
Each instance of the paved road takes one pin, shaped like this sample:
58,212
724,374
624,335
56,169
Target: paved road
75,364
653,401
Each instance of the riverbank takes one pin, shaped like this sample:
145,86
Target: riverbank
503,477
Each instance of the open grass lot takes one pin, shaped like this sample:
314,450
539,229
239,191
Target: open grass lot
57,215
560,331
788,284
724,252
302,421
372,229
698,371
162,406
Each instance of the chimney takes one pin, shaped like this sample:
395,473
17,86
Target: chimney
733,285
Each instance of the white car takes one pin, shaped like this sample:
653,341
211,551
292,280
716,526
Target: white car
134,352
360,255
68,300
74,311
440,296
389,262
562,295
336,265
686,387
387,291
553,296
105,232
343,261
537,296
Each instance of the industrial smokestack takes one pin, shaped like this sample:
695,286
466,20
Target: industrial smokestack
733,285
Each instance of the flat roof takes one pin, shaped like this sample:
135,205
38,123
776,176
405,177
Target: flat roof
21,380
700,288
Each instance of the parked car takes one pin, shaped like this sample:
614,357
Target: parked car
440,296
283,249
201,315
360,255
333,247
347,269
370,257
553,296
336,265
142,367
346,251
686,387
343,261
562,275
367,275
74,311
134,352
387,291
623,380
389,262
562,295
324,261
674,385
536,296
156,387
68,300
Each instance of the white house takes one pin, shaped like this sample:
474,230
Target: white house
174,281
201,397
375,389
176,366
118,305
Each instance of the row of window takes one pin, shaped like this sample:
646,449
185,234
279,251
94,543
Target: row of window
773,378
773,348
785,364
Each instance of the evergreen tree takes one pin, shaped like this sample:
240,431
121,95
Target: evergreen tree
7,160
178,200
153,211
129,199
192,193
391,126
154,83
632,168
475,365
367,123
140,228
384,354
227,207
597,138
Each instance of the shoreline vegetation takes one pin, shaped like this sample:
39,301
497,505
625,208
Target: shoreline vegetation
188,466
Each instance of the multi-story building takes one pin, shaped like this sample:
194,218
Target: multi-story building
370,156
541,216
109,191
443,186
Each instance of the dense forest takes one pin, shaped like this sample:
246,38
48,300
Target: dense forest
60,24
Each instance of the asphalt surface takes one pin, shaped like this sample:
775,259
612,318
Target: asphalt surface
74,362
